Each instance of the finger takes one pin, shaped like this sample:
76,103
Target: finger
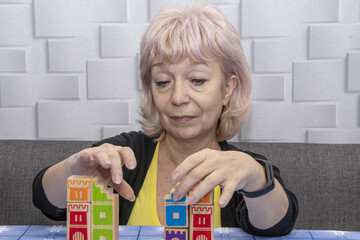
226,195
101,158
205,186
127,157
187,165
125,190
188,182
116,166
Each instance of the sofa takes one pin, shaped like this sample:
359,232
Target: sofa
324,177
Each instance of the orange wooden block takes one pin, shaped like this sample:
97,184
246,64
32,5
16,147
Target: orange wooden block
79,188
201,222
208,199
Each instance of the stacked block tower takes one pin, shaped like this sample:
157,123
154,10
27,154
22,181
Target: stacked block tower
194,222
92,209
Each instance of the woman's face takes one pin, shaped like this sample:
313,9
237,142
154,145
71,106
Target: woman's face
189,98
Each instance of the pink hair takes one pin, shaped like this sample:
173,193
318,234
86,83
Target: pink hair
202,34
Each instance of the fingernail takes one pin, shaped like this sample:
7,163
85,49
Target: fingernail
175,197
221,203
189,200
175,177
131,165
117,179
133,200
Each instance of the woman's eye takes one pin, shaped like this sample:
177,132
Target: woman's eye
162,83
198,81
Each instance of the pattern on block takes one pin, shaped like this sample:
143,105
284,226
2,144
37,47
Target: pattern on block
194,222
92,209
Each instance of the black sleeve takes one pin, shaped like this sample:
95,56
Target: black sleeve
41,202
235,214
143,147
283,227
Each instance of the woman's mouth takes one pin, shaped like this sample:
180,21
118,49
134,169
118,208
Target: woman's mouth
182,119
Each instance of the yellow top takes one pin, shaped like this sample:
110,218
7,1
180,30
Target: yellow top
145,212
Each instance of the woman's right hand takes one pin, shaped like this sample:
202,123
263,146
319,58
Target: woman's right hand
105,161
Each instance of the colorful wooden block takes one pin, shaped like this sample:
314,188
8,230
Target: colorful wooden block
92,209
176,213
175,234
208,199
105,211
79,188
201,222
78,221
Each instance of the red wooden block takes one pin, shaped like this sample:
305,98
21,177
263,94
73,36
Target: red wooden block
201,222
78,221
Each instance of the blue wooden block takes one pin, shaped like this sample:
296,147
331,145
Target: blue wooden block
171,200
176,216
176,213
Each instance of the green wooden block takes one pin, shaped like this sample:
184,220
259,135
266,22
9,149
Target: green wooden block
102,234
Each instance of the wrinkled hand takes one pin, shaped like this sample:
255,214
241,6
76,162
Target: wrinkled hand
232,170
106,161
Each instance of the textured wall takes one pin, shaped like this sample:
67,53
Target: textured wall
68,69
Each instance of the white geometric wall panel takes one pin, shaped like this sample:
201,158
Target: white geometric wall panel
268,88
16,26
280,53
318,80
334,136
112,78
12,60
318,11
266,18
69,55
354,72
69,120
69,69
121,40
355,36
329,41
26,90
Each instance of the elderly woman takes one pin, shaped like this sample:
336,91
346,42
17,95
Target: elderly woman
196,94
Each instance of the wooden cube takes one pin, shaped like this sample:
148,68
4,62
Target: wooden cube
208,199
201,222
78,221
105,212
176,213
175,234
79,188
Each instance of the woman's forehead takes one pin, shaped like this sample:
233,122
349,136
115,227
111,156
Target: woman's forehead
189,60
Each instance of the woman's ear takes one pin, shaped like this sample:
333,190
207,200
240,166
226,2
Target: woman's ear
230,86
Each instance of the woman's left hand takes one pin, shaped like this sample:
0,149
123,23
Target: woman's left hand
232,170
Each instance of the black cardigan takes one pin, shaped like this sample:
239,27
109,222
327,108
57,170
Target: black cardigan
233,215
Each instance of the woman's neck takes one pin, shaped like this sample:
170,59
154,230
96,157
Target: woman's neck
177,150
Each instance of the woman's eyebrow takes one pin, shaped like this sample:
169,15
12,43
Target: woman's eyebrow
200,63
159,64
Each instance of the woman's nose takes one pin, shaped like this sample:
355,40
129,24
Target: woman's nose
180,93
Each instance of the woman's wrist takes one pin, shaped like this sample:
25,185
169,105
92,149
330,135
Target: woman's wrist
269,177
257,178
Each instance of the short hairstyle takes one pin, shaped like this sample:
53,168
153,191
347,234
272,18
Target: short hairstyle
201,33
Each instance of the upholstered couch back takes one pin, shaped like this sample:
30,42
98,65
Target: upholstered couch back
325,179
